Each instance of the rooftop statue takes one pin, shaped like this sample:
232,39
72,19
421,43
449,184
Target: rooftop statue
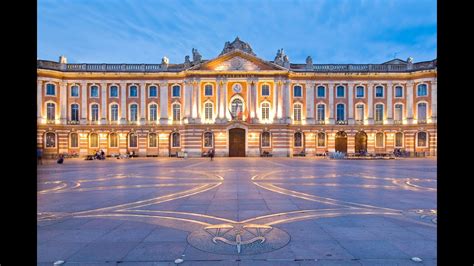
196,56
282,59
187,63
237,44
309,62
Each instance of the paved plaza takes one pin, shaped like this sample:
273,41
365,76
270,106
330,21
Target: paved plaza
237,211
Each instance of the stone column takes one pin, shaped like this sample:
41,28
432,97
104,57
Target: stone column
225,107
142,102
84,102
350,107
279,111
163,103
434,100
286,102
253,100
63,103
195,97
123,103
410,85
39,102
275,101
188,90
103,107
310,102
331,103
389,103
370,103
220,102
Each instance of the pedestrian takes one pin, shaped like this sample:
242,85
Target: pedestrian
61,159
211,154
39,154
102,154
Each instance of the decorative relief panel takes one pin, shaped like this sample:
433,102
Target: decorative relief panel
237,63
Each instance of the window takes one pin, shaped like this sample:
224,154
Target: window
398,116
266,139
421,112
208,140
50,140
75,112
134,112
379,140
422,90
93,140
152,143
113,92
176,91
321,139
359,92
94,112
114,112
50,111
113,141
297,112
208,111
379,92
153,112
321,92
50,89
94,91
133,140
75,91
74,140
421,139
265,111
152,92
298,139
359,112
340,91
176,112
379,112
208,90
398,92
175,140
237,107
265,90
297,91
340,112
321,111
399,139
133,91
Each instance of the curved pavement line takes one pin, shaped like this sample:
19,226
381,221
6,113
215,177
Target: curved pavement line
188,214
145,216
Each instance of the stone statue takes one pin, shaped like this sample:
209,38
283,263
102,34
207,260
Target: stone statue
165,62
187,63
410,60
196,56
309,62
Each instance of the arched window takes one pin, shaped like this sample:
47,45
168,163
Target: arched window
422,90
379,112
398,139
114,92
297,112
265,139
398,92
321,92
422,139
379,92
175,140
176,112
153,112
340,91
321,112
398,115
94,112
340,112
421,112
176,91
359,115
152,92
133,91
297,91
208,111
133,112
360,92
298,139
321,139
73,140
237,107
208,90
50,111
93,140
379,139
50,89
113,140
265,111
74,112
152,140
94,91
208,140
265,90
132,140
74,91
50,140
114,112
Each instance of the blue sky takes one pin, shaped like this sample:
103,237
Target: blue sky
143,31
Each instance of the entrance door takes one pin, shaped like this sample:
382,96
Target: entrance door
361,142
237,142
341,141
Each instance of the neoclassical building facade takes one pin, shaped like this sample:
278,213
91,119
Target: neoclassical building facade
237,104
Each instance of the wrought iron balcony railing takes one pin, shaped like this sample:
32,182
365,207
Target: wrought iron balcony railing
320,122
73,122
341,122
378,122
422,121
397,122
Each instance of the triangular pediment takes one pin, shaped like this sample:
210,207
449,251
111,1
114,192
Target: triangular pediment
237,61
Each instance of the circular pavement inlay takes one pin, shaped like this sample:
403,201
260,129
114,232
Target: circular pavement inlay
238,238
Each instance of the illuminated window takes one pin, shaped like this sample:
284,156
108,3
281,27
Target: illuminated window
132,140
176,91
265,111
398,116
321,139
265,90
75,112
360,92
133,91
297,91
421,112
321,92
94,112
153,112
50,111
93,140
421,139
50,89
298,139
208,111
176,112
422,90
134,112
208,90
379,92
152,92
340,112
75,91
114,112
297,112
237,107
321,112
266,139
399,139
379,112
113,92
74,140
94,92
175,140
113,140
340,92
379,140
359,112
398,92
208,140
50,140
152,140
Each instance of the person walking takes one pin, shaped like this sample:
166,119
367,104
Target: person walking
61,159
39,154
211,154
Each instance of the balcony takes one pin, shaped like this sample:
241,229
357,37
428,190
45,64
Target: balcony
50,122
378,122
421,121
341,122
359,122
397,122
320,122
72,122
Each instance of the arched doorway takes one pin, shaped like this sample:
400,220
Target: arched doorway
361,142
341,141
237,142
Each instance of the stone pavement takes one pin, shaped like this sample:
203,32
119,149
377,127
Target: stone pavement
237,211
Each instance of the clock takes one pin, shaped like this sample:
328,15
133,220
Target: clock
237,88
